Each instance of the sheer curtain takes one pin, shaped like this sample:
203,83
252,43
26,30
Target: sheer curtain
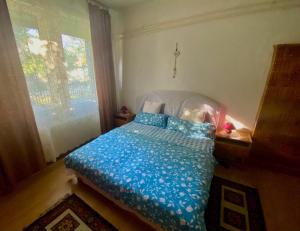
54,44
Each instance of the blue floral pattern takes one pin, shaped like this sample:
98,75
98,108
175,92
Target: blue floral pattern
191,129
165,178
158,120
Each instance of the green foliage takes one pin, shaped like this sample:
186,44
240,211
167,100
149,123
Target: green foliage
33,64
74,52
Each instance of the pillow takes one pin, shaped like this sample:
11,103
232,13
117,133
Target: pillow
177,124
191,129
198,130
152,107
158,120
196,115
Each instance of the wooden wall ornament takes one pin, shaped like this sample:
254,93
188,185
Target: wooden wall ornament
176,54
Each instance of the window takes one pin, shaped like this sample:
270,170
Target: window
31,53
54,44
78,63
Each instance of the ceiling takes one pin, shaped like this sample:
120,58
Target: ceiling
119,3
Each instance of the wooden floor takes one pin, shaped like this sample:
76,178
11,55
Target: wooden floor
279,193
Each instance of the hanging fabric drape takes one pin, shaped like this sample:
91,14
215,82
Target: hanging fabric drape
54,44
20,147
103,64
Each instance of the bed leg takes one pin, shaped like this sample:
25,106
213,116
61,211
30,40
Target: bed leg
72,176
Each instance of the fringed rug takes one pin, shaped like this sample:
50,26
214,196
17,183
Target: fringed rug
233,207
71,214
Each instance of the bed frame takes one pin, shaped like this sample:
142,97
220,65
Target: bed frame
123,206
173,104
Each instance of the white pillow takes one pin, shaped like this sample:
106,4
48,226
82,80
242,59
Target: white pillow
195,115
152,107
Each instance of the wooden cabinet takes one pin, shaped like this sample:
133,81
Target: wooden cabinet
232,148
276,139
121,119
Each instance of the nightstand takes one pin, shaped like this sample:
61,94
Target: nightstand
121,119
232,148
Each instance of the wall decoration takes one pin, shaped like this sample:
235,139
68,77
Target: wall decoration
176,54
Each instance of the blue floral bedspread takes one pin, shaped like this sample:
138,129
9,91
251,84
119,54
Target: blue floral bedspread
162,174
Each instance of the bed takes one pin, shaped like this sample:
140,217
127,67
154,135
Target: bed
160,175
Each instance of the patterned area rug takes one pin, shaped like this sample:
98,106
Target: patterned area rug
71,214
233,207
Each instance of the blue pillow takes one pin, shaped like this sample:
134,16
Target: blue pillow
177,124
191,129
158,120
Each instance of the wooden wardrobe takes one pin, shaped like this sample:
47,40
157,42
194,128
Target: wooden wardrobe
276,138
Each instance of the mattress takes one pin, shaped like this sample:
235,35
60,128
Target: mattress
163,175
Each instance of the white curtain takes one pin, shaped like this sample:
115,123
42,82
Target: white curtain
54,43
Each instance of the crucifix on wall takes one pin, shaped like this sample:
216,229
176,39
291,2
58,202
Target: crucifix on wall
176,54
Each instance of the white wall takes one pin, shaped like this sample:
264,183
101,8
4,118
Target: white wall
117,29
226,49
